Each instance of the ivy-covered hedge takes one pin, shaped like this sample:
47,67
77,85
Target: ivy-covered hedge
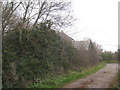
29,56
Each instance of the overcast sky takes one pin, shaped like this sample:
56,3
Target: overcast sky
98,20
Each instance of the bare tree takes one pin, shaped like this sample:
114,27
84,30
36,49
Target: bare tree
27,15
94,52
8,16
89,51
24,14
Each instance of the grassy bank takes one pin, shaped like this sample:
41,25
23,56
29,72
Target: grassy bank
112,61
62,80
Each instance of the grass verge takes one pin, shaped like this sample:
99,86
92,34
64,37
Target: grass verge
112,61
62,80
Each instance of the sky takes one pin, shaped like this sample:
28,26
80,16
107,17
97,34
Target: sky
97,20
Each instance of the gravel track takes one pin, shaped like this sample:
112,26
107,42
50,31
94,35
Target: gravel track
101,79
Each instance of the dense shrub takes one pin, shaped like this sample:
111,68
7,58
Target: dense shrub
37,54
107,56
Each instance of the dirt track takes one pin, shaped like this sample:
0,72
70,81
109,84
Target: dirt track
101,79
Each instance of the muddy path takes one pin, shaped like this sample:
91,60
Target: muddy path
101,79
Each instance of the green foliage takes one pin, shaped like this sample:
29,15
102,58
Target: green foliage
57,82
107,56
29,56
112,61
